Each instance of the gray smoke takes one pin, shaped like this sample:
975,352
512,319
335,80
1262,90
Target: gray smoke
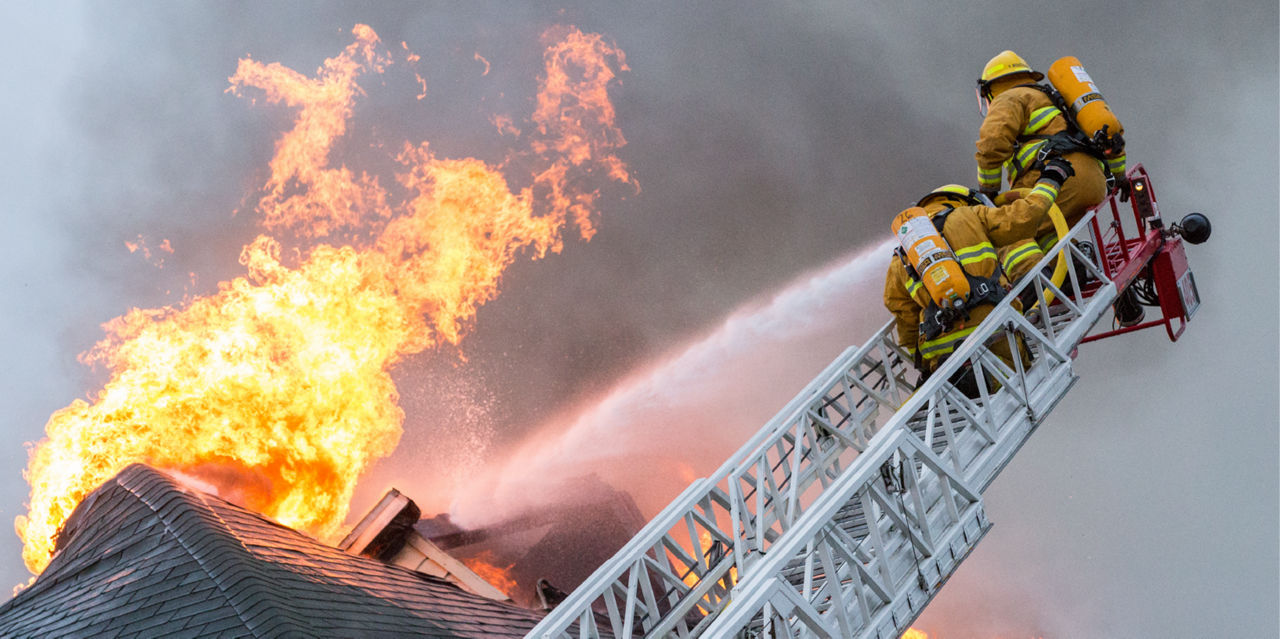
768,140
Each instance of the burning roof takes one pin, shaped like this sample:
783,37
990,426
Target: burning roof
277,387
548,549
144,555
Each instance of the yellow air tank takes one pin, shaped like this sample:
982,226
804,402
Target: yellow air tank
932,258
1088,108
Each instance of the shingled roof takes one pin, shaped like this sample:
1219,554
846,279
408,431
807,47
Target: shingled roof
144,556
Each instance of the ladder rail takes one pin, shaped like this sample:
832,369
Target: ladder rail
775,452
741,486
728,538
1016,411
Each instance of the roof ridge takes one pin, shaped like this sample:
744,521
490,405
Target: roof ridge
146,554
242,584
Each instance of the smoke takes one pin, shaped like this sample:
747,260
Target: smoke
682,415
770,140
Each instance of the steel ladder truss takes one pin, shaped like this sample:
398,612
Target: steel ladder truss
845,513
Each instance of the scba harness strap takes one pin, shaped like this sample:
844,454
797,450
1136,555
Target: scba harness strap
1101,146
938,321
982,290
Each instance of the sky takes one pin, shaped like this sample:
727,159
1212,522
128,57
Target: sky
770,142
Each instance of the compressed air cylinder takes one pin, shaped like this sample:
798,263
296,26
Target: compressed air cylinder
1091,112
926,249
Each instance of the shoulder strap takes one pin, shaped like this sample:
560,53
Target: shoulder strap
939,219
906,264
1053,94
983,290
1073,127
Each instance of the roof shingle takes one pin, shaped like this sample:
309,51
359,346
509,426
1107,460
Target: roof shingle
144,556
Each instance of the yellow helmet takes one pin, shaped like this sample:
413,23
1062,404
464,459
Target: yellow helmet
951,193
1006,63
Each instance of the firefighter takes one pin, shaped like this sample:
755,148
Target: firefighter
1020,125
989,244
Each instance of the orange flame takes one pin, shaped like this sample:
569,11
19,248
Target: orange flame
687,572
303,193
151,257
497,577
277,389
705,550
572,95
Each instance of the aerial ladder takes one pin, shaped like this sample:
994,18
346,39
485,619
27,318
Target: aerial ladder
847,512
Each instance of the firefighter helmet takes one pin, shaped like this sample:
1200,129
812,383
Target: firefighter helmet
1006,63
951,193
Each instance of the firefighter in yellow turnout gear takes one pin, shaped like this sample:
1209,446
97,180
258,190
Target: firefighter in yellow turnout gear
983,240
1019,121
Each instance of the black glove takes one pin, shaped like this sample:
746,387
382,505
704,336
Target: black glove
990,193
966,381
1056,170
1122,187
1028,297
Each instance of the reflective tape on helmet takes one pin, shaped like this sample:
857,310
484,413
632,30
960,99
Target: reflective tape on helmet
1030,250
1040,118
950,193
970,255
997,70
1006,63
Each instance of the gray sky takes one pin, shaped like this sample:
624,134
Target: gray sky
768,141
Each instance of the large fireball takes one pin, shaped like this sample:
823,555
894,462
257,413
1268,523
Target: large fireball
276,388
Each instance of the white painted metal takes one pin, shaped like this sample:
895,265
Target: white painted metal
846,513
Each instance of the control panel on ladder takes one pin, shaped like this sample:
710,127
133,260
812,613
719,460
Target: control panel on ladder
1147,260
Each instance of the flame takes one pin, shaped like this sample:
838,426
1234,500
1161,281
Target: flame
276,388
705,551
410,56
497,577
151,257
504,125
303,193
572,95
